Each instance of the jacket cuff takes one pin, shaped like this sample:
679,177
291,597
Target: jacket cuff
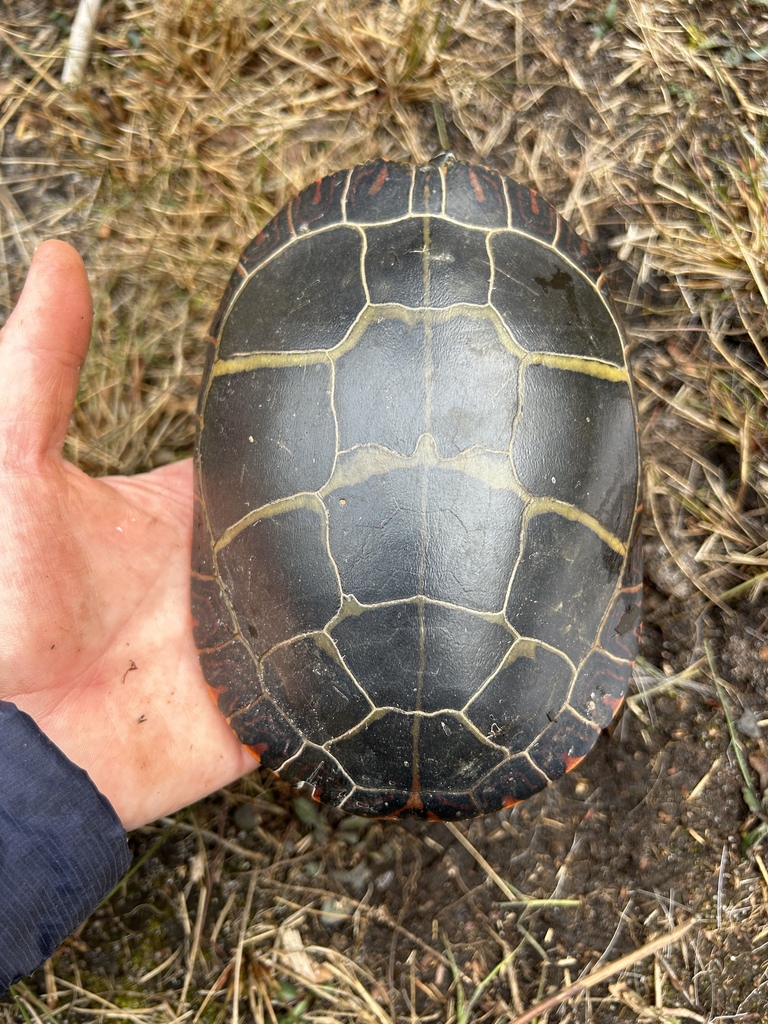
62,846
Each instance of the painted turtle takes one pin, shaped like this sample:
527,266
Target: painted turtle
416,576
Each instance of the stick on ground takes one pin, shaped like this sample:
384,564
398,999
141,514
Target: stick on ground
80,41
603,973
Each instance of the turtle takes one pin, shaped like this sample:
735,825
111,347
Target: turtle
416,573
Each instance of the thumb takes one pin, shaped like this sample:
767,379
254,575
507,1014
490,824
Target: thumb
42,349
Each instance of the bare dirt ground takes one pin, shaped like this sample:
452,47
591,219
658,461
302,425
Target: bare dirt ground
634,890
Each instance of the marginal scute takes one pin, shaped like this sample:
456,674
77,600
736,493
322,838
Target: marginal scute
319,203
475,195
576,249
319,774
416,582
599,688
428,190
273,237
515,779
233,676
211,618
378,191
262,727
622,626
202,555
235,281
563,744
531,213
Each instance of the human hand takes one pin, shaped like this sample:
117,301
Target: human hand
95,629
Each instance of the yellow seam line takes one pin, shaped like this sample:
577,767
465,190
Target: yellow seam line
538,506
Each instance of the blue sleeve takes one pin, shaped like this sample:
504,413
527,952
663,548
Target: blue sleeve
62,847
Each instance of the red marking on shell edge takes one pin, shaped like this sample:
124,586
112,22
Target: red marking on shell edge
213,697
477,187
535,201
414,802
318,192
377,185
571,762
614,703
510,801
257,752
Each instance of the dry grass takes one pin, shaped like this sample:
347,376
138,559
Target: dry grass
646,124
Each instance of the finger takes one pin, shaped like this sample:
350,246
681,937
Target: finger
42,349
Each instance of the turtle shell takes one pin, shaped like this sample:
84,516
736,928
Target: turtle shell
416,580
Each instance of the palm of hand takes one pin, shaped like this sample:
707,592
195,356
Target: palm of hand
95,633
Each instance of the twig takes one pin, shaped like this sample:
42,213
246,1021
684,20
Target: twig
603,973
80,40
513,895
244,922
720,879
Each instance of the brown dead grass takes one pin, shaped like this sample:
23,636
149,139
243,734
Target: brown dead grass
646,124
